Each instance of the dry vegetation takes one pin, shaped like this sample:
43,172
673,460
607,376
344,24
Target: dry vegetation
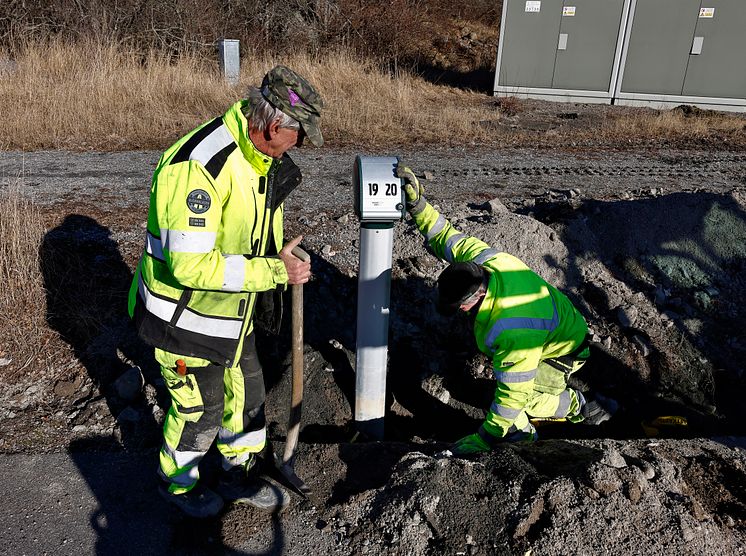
23,327
99,96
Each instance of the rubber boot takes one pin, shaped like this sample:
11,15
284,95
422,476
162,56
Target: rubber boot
200,502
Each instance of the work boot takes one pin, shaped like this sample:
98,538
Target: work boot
598,409
529,434
200,502
242,487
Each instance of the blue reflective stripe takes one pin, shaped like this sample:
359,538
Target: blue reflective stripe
506,412
506,377
450,242
531,323
485,255
440,223
491,440
564,404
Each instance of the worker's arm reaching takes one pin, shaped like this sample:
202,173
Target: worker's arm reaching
446,242
516,352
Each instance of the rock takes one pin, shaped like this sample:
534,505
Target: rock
642,345
65,389
496,206
344,219
129,384
607,342
428,175
79,428
627,316
660,295
614,459
326,250
648,471
433,385
5,361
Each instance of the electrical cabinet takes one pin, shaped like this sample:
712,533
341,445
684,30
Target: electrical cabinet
659,53
685,51
561,49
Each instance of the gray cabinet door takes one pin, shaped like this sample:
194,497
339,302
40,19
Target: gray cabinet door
529,44
588,32
659,44
719,70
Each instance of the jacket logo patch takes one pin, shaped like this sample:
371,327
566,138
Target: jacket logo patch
198,222
198,201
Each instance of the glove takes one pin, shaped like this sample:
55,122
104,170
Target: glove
412,188
472,444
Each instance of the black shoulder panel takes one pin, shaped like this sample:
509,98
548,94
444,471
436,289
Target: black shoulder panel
186,149
217,162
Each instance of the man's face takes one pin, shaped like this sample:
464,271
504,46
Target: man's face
282,139
471,302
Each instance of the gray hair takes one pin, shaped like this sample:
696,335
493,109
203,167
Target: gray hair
261,113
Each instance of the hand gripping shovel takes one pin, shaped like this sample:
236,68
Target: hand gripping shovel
285,464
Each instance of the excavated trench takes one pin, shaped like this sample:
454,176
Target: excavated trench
659,279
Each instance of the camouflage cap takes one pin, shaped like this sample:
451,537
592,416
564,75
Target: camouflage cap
295,96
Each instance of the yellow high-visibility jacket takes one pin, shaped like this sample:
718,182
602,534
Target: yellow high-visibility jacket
522,319
214,230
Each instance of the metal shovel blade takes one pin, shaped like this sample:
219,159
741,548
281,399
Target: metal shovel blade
288,473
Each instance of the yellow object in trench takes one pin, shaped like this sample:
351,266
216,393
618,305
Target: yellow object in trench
653,427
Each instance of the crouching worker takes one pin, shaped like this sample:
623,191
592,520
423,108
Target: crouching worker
213,261
534,335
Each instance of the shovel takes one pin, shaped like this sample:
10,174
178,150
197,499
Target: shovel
285,464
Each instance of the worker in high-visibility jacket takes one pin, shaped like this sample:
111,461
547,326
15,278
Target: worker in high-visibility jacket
534,335
213,258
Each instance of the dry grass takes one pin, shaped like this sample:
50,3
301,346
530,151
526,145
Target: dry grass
106,97
92,96
23,327
676,125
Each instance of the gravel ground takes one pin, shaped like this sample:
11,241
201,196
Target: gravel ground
650,245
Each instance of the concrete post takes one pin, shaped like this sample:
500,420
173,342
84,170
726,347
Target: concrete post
230,63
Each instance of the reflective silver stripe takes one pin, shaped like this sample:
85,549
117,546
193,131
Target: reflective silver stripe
450,242
506,377
506,412
217,328
211,145
511,323
485,255
179,241
440,223
182,458
564,404
161,308
153,246
233,277
251,439
164,310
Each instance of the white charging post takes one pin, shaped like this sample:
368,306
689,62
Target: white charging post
379,203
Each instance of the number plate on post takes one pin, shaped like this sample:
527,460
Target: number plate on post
379,196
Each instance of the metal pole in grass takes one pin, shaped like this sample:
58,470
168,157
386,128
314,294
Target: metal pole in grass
230,64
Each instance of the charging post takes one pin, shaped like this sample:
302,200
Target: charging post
379,204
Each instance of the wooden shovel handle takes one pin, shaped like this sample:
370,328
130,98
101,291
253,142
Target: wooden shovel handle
296,396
